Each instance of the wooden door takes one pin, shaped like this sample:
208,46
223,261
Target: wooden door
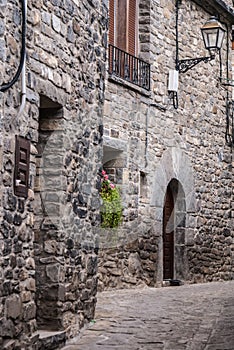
168,236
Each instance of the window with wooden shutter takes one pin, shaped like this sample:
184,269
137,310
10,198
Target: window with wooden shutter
21,176
123,24
123,44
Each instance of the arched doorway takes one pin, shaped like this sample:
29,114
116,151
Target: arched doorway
174,219
168,235
175,166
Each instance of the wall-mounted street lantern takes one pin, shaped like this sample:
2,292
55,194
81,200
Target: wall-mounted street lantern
213,34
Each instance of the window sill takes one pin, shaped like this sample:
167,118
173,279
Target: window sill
113,78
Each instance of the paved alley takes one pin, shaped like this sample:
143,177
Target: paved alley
189,317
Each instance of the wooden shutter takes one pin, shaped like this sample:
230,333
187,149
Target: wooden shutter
132,27
21,176
122,19
112,22
122,25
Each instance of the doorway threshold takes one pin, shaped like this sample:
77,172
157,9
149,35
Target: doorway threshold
172,282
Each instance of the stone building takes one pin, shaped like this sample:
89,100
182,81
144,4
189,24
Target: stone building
168,148
51,101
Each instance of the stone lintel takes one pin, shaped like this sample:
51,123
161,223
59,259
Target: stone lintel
114,144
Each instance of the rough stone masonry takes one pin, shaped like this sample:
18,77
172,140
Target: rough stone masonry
48,239
152,150
51,153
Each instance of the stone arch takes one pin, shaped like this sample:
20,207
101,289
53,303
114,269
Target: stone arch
174,167
174,164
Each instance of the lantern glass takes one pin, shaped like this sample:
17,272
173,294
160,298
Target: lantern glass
213,34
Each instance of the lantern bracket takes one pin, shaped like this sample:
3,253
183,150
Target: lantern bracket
186,64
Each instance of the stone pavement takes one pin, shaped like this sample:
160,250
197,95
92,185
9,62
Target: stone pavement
188,317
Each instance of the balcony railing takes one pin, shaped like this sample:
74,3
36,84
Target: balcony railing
129,67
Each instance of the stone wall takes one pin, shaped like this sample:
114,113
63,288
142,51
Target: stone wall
163,143
48,241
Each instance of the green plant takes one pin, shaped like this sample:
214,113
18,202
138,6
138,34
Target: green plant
111,209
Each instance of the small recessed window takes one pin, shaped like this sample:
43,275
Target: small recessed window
143,185
22,158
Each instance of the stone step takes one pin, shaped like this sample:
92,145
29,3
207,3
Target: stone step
50,340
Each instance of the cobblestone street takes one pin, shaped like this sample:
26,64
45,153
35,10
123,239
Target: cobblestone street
189,317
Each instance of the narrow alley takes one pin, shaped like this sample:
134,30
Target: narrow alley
188,317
